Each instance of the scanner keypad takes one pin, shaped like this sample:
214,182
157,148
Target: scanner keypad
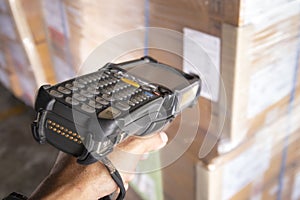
108,93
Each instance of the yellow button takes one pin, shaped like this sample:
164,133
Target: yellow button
130,82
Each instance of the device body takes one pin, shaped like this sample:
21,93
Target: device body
88,115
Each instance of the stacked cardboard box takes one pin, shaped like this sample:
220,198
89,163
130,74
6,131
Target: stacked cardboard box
248,171
244,56
252,57
76,28
35,20
23,52
256,57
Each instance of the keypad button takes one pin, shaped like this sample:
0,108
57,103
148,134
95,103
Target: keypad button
79,97
106,76
131,93
122,106
107,82
103,83
106,91
71,101
144,97
109,113
78,85
64,90
101,86
82,81
110,82
117,87
92,103
88,80
56,94
107,72
117,96
133,100
86,94
94,86
102,101
114,71
87,108
93,78
93,90
96,105
108,97
131,103
114,80
138,98
71,87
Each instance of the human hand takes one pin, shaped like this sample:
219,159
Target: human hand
69,180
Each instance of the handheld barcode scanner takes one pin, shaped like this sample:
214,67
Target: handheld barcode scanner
87,116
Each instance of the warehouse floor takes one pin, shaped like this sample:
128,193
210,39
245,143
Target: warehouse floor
24,163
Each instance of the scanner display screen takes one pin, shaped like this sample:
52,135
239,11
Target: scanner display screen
157,73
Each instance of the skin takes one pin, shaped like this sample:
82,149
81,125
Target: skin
69,180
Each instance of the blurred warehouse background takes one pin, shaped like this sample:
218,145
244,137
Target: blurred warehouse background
254,46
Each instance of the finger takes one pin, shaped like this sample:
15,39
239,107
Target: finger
128,154
141,145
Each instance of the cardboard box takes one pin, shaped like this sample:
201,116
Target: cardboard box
24,42
208,15
35,20
245,56
249,70
244,172
289,188
79,27
44,53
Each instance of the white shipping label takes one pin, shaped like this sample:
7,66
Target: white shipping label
7,27
296,188
202,54
55,16
248,166
270,84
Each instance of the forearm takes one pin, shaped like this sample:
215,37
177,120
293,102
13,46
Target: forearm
75,182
